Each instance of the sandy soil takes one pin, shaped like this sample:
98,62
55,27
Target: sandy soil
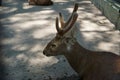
25,30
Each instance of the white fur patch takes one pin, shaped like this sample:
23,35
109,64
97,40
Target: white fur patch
69,48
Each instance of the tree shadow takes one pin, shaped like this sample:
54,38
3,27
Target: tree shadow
27,29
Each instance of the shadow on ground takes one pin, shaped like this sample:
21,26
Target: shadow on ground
26,30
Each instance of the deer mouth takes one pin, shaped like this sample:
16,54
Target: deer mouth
45,53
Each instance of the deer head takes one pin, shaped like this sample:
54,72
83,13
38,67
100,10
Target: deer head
62,43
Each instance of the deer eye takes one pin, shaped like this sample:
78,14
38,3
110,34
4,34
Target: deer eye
53,45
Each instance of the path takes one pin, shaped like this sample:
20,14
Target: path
26,30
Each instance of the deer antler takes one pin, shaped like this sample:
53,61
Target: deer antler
63,24
71,23
61,20
57,25
74,10
68,25
62,31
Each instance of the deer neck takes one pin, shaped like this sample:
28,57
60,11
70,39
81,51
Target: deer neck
76,56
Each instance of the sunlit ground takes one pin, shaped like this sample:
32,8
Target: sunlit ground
26,30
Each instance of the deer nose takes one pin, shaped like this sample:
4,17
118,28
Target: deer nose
44,52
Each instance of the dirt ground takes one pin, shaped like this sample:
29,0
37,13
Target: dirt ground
25,30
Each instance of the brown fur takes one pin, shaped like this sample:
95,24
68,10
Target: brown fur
40,2
90,65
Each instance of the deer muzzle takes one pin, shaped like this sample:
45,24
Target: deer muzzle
45,52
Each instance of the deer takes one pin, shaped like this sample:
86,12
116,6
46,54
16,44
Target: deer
89,65
40,2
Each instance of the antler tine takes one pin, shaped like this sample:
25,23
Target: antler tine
68,25
61,20
57,25
75,7
72,21
74,10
